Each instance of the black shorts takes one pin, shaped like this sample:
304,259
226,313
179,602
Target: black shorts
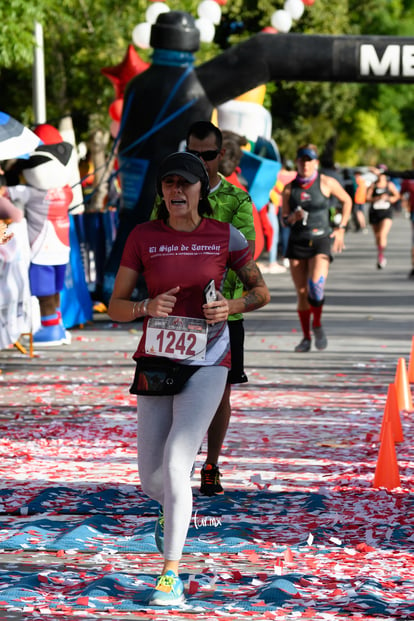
377,215
308,248
236,373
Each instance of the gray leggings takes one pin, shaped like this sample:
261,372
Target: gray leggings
170,432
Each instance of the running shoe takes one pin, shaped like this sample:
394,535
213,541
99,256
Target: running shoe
210,480
321,342
382,263
169,591
159,531
411,274
50,336
303,346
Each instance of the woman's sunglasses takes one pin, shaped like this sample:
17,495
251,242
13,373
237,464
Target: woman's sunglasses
207,156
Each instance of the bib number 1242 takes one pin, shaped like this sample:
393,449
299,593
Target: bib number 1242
177,337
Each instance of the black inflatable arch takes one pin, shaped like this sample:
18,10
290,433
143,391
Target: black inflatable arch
297,57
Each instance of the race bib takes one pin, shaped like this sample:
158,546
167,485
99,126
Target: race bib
183,338
381,204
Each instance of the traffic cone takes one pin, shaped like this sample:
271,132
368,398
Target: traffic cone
411,364
405,401
386,472
391,412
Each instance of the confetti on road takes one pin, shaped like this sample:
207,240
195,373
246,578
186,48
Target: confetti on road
299,534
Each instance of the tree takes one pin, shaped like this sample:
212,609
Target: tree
80,37
380,128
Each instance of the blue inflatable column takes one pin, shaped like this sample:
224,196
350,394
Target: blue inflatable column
76,303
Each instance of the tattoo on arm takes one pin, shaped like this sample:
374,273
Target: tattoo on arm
257,293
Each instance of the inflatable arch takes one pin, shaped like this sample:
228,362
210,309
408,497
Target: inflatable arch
297,57
162,102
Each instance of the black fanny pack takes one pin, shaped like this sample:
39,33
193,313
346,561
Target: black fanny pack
160,376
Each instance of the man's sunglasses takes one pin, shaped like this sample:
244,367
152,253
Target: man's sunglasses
205,155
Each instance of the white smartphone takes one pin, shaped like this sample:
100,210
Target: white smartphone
210,293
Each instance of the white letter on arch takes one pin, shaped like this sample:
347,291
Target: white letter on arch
408,60
371,64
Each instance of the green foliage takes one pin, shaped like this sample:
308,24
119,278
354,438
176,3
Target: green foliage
16,32
369,123
80,38
379,17
325,17
366,122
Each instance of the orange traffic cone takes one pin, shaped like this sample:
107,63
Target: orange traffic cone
386,472
405,401
411,364
392,413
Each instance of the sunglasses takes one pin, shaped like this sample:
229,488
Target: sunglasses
207,156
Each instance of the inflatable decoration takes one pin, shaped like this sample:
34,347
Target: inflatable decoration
209,16
246,123
260,161
75,301
67,134
246,115
154,10
16,140
121,74
260,164
261,174
48,134
131,65
281,20
46,199
154,124
141,35
210,10
115,109
295,8
206,28
162,102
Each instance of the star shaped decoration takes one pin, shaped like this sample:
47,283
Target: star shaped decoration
131,65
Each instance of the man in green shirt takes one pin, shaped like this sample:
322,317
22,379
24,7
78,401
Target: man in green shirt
230,204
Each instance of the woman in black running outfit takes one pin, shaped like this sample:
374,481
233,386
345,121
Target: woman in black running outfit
381,196
306,210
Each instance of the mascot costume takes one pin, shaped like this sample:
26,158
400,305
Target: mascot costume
46,198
